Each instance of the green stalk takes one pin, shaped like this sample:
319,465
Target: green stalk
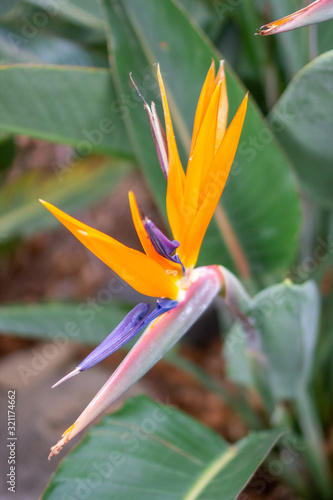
312,432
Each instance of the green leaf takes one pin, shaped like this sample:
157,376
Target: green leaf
204,14
285,321
303,121
47,48
156,452
62,323
260,201
78,20
85,12
74,106
54,32
22,214
288,318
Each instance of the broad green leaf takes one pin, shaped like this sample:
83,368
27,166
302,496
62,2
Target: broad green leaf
85,12
204,14
287,316
246,363
237,355
260,201
62,322
285,320
155,452
303,121
72,187
46,48
74,106
76,20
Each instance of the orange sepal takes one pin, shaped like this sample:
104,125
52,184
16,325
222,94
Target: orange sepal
170,267
222,117
212,187
137,269
203,152
176,175
204,100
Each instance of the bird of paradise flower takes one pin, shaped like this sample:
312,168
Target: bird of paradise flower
166,269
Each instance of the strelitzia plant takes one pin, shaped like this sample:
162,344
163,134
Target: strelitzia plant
166,268
318,11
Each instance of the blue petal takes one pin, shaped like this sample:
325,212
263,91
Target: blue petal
162,306
130,326
161,243
123,333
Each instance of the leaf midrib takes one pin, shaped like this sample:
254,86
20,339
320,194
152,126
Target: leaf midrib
210,472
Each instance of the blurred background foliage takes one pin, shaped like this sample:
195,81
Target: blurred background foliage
64,78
